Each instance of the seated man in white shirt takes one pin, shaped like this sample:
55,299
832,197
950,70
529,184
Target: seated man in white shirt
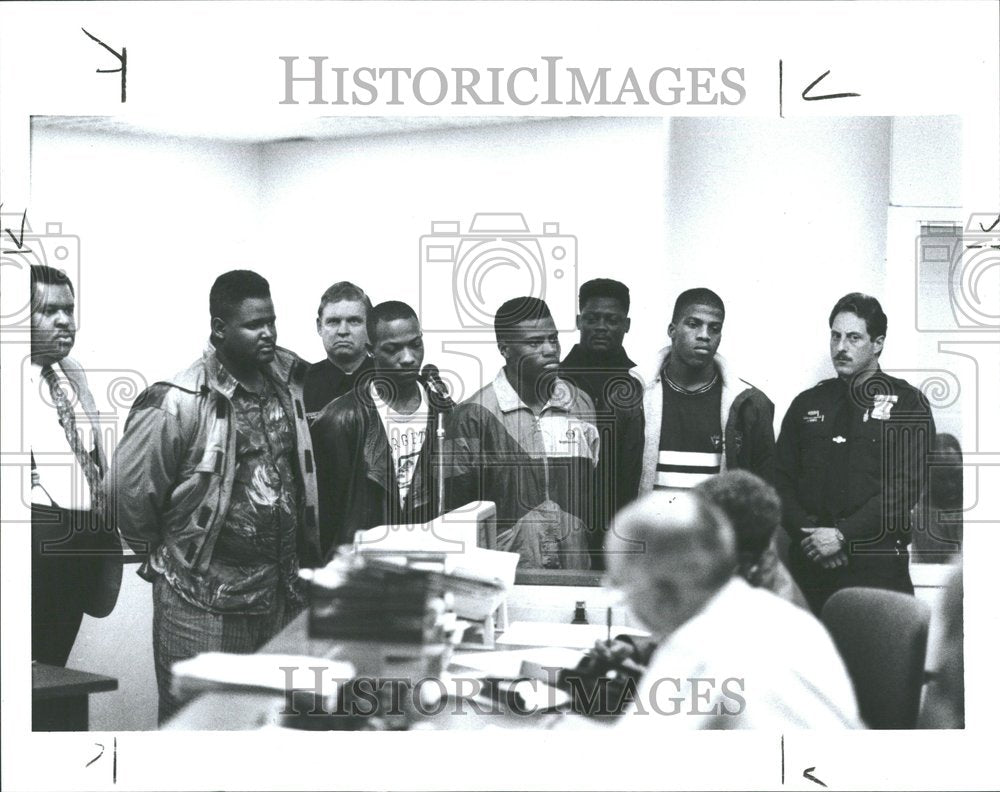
74,571
728,656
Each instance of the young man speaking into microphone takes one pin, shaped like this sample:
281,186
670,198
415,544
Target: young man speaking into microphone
379,458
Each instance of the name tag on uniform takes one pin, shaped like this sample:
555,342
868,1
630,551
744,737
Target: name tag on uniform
882,408
813,416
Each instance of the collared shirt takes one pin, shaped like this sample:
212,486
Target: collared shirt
255,553
723,669
60,479
326,381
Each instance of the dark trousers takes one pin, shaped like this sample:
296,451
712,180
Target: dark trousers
182,631
885,569
61,573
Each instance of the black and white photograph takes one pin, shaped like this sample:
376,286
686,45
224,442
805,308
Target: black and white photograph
521,404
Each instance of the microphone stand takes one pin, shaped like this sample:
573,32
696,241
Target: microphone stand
437,388
441,468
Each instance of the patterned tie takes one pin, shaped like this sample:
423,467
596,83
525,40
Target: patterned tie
67,420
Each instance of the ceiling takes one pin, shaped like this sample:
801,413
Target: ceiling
265,129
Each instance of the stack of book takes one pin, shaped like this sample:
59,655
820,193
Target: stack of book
378,601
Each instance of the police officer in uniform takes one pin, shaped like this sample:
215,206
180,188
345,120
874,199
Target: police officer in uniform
851,460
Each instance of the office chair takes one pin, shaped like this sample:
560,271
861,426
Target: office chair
882,638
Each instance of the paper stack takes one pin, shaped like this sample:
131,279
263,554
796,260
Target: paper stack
271,673
356,598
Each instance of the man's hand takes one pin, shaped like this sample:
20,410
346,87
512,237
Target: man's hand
825,546
838,560
618,655
613,652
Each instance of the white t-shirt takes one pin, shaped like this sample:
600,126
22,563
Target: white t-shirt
406,434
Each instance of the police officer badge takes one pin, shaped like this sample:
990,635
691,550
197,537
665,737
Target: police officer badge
882,408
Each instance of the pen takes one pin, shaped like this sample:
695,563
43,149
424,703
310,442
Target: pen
609,625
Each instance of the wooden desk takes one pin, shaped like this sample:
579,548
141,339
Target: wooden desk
60,697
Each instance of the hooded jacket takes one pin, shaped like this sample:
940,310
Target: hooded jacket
747,419
172,474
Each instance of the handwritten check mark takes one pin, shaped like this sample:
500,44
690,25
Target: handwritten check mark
995,224
18,242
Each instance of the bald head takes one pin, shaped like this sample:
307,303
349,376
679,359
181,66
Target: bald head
669,552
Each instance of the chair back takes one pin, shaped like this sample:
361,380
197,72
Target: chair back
882,638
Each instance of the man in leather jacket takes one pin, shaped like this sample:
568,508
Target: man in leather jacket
214,479
378,456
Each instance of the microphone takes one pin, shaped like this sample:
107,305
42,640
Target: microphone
431,377
437,393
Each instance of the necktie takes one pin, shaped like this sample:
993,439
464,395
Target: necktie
67,420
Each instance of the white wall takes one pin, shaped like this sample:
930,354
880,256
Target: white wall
781,218
926,187
357,208
926,161
158,220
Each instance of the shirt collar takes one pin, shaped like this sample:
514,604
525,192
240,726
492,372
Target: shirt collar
218,378
36,370
221,380
508,400
366,364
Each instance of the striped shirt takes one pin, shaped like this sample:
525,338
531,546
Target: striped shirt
690,436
